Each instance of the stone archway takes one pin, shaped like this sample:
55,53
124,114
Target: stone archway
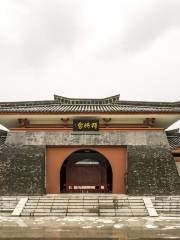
86,171
56,156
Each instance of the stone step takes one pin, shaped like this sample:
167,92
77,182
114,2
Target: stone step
167,207
84,205
72,204
168,210
8,203
166,204
170,215
168,201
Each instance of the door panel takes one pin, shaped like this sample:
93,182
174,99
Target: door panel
85,178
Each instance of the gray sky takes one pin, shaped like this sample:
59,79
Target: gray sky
90,48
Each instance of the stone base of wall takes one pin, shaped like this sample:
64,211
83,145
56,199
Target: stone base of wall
22,170
152,171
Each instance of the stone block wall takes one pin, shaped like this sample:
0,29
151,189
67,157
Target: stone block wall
151,167
152,171
22,169
111,138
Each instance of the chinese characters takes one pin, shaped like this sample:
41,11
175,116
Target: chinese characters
85,125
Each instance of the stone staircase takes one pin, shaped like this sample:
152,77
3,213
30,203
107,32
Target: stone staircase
7,204
167,205
85,205
104,205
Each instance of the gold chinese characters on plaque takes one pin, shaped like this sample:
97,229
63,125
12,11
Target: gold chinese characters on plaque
85,125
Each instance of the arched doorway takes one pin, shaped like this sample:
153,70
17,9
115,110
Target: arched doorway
86,171
56,156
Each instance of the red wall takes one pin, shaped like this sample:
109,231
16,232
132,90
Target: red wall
55,156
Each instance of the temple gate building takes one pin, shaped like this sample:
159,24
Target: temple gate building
71,145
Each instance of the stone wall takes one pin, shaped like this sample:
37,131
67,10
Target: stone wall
151,167
152,171
22,169
122,138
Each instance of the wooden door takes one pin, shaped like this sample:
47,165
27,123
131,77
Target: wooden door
86,178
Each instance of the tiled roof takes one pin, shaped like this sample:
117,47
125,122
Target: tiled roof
174,141
2,139
69,105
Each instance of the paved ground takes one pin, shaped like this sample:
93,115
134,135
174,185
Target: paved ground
53,228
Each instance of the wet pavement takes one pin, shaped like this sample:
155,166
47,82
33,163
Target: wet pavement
54,228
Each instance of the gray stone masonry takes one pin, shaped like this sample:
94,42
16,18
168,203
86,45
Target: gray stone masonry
22,170
152,171
151,168
123,138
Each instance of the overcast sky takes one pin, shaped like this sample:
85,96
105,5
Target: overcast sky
90,48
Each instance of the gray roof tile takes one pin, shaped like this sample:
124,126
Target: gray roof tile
111,104
174,141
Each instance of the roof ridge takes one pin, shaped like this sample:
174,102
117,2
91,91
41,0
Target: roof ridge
148,103
25,102
110,99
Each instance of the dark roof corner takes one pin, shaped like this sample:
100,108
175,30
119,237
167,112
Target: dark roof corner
113,99
57,97
177,103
